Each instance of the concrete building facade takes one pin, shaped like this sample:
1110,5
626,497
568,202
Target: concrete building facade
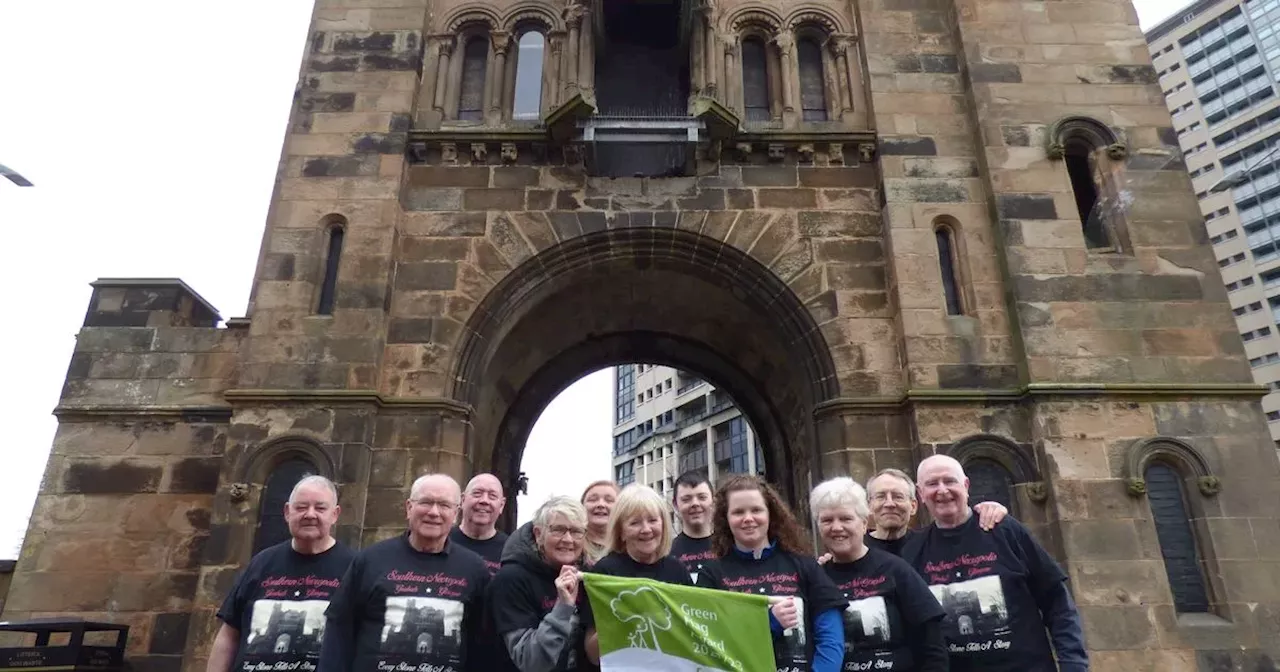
1219,66
668,422
871,223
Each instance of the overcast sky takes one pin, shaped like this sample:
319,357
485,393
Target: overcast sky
152,131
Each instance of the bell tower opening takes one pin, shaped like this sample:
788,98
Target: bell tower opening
642,64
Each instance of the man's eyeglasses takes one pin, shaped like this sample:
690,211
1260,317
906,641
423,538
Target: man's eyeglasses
562,531
429,504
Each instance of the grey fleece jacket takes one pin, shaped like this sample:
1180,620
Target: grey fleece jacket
553,643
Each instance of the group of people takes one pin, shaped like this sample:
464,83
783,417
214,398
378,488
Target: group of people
973,590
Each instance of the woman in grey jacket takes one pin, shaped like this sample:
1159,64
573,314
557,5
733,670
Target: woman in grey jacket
533,599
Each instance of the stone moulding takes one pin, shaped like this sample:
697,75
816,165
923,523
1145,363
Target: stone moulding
262,459
66,413
1092,131
1184,457
348,398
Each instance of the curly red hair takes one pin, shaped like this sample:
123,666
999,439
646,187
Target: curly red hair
784,529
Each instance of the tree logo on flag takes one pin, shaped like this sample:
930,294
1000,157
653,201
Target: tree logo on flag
647,622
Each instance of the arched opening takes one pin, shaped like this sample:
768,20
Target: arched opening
1177,539
989,481
475,63
755,80
734,324
527,105
813,82
676,423
642,60
333,257
1079,156
272,528
948,266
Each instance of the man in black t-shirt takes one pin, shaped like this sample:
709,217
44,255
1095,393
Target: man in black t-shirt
482,505
891,494
694,504
274,616
412,602
1006,600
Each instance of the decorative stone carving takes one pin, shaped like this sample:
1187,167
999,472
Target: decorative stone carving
743,151
835,153
777,151
479,152
1117,151
509,153
1092,132
574,13
805,150
1038,492
786,43
418,152
573,154
1209,486
501,42
867,152
238,492
1136,487
1056,151
446,45
1182,456
840,44
449,153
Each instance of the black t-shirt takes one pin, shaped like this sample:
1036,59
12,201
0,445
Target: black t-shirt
278,606
696,554
780,574
986,583
892,546
519,598
489,550
667,570
410,608
886,597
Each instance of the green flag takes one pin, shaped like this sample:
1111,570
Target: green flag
649,626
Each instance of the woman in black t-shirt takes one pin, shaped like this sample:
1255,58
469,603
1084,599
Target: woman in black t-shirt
638,542
893,622
763,551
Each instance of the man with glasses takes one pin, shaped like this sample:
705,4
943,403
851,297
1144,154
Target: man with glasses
270,618
534,598
482,505
413,601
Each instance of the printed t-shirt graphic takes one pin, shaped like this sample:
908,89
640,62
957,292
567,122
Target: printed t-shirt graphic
411,608
696,554
278,606
985,582
875,627
781,574
489,550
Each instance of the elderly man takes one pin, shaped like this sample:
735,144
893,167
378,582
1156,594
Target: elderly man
533,599
891,495
694,504
482,505
295,578
1006,600
413,601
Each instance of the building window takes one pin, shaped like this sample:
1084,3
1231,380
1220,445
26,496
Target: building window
755,80
529,59
813,86
272,528
1080,169
625,473
625,408
947,265
1273,416
329,283
731,448
1177,542
475,61
989,481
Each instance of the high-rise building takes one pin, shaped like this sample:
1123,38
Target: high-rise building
1218,62
667,421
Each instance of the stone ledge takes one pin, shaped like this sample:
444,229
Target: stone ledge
349,397
94,413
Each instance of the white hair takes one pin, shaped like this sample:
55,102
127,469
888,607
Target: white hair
570,508
314,479
898,474
836,492
423,479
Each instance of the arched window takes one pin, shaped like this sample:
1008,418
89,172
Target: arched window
329,284
529,59
272,528
475,62
989,481
1079,157
947,264
1177,540
755,80
813,86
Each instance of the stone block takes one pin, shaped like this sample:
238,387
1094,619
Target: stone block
98,477
493,199
169,634
1100,540
194,475
1118,627
431,276
770,176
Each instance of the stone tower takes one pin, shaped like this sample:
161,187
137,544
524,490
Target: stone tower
888,227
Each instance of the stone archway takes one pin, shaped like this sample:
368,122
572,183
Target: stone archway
660,295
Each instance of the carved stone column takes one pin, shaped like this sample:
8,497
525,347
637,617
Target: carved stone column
786,61
551,94
442,73
453,84
732,80
573,16
850,83
711,47
587,54
698,66
496,82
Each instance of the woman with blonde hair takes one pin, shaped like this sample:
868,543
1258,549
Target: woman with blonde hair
638,541
598,499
